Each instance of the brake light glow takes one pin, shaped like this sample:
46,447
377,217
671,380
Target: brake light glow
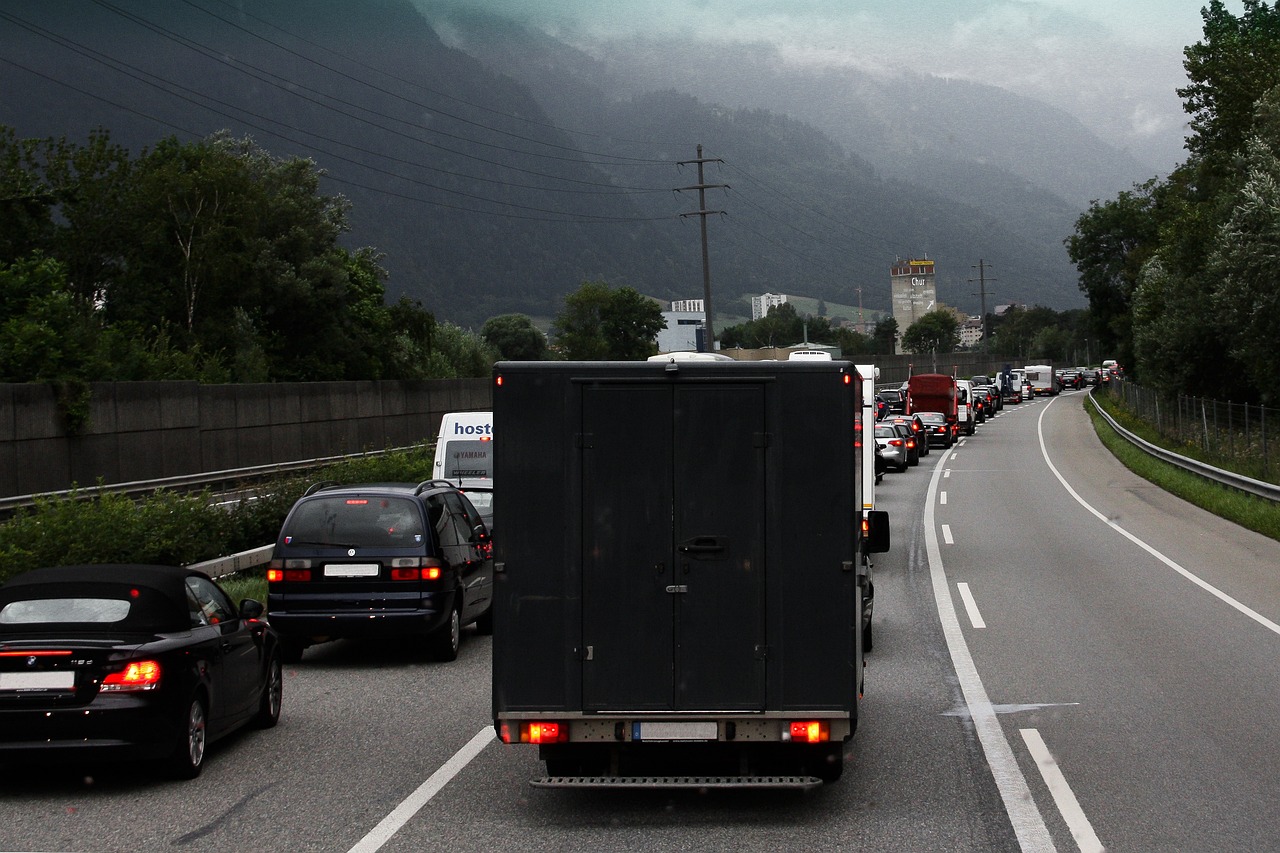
137,675
809,731
541,731
356,501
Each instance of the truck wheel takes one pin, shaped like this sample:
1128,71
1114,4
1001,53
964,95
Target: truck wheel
866,637
442,644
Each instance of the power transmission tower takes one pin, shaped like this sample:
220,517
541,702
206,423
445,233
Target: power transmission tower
982,291
702,186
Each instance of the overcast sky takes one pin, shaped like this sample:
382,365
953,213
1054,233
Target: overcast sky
1115,64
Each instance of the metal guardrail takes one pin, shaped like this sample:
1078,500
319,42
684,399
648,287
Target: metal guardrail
191,481
220,567
1261,489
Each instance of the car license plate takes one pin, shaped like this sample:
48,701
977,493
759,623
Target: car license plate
352,570
675,731
37,680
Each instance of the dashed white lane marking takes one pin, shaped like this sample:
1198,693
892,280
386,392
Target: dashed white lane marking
404,812
1068,805
942,498
946,534
970,605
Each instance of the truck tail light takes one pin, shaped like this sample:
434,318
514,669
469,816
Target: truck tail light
535,731
808,731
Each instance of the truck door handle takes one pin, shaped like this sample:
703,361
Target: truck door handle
700,545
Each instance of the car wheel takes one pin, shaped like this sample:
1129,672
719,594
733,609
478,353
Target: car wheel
187,759
291,650
272,695
484,625
904,466
443,643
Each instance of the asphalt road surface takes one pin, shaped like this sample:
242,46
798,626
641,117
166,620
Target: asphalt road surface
1065,658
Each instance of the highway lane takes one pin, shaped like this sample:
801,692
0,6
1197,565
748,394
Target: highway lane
1154,695
1153,698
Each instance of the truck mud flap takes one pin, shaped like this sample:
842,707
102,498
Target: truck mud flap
800,783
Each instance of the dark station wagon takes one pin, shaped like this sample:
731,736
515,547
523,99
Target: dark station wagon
381,560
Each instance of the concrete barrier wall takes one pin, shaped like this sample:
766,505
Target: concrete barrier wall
149,430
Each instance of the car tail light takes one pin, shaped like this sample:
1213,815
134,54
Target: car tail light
416,569
896,442
136,676
808,731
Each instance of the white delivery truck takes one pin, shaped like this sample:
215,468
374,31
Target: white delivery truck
1042,380
464,447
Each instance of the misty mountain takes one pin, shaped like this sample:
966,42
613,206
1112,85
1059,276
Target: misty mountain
497,168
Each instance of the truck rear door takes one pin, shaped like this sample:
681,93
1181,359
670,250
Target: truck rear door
673,546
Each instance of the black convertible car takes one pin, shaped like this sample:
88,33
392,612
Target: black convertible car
133,661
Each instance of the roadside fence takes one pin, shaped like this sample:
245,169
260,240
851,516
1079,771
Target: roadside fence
1241,437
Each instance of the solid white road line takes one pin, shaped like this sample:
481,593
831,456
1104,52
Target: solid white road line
1068,805
970,605
1028,824
402,813
1203,584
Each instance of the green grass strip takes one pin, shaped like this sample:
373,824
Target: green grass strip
1257,514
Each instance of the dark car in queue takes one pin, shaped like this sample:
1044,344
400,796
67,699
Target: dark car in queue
917,430
122,661
913,446
891,444
895,399
403,561
937,431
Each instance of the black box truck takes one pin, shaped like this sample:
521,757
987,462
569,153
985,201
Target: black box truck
678,576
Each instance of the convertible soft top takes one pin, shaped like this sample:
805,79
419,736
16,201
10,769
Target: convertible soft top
157,595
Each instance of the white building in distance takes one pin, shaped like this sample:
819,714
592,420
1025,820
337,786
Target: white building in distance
766,302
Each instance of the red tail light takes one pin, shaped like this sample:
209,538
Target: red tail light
541,731
424,569
810,731
136,676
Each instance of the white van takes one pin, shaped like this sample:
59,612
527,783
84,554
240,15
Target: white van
809,355
964,407
464,447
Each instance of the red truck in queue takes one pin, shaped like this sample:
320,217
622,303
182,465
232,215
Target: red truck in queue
673,609
936,392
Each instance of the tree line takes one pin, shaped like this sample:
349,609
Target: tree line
1183,274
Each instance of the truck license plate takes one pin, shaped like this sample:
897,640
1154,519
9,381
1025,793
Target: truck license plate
674,731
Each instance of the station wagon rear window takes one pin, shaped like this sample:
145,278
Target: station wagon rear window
355,521
468,459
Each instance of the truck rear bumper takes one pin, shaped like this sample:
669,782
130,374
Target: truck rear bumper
800,783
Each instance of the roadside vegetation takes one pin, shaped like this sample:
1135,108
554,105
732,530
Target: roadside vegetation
1254,513
97,526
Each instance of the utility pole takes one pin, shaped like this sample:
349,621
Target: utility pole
982,288
862,326
702,186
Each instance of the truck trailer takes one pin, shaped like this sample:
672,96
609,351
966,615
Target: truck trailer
678,582
938,392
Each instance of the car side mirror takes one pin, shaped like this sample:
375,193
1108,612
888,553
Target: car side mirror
251,608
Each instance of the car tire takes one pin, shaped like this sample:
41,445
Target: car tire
443,643
187,758
904,466
484,625
291,650
272,695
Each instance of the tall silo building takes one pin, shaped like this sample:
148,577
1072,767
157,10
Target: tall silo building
915,293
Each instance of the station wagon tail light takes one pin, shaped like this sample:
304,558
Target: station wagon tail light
808,731
137,675
538,731
288,570
415,569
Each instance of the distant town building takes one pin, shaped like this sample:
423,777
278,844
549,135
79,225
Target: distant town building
970,331
764,303
688,306
681,333
914,292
